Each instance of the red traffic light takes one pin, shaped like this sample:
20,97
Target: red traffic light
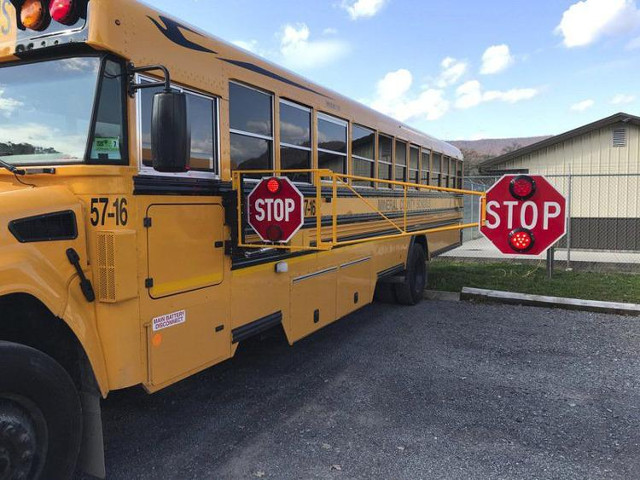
521,240
273,185
522,187
63,11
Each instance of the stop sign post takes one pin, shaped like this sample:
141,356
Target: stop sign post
275,209
525,215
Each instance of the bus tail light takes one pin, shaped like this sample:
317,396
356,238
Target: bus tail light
64,11
522,187
521,240
34,15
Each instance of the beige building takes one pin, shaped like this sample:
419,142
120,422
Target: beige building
598,166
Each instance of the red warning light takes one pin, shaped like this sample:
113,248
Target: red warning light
521,240
523,187
273,185
63,11
274,233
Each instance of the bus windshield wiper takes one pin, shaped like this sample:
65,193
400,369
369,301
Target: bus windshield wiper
12,168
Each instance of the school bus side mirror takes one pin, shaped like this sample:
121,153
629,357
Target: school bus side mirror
170,133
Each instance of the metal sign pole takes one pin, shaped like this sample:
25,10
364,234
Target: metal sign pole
569,221
550,261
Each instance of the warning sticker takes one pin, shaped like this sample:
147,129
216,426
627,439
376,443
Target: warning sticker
169,320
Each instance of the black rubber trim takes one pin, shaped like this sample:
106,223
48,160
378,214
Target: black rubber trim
254,328
391,272
158,185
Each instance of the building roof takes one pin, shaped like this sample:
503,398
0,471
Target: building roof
605,122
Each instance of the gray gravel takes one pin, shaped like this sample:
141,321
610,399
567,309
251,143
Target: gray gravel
442,390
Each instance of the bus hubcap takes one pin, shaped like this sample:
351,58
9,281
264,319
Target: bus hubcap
18,442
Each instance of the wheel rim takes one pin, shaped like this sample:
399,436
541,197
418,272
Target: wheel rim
23,439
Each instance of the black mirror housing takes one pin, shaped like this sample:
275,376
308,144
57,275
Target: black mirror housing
170,133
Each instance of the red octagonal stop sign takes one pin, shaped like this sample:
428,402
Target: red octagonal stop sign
525,215
275,209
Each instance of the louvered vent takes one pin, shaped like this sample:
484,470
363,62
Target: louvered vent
620,137
106,267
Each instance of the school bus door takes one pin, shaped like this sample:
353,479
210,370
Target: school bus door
185,311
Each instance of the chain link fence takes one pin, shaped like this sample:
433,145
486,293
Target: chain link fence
603,224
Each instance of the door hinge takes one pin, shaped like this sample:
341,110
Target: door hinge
148,283
147,222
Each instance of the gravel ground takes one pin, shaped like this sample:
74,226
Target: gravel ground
443,390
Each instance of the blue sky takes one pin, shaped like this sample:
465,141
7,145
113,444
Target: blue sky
456,69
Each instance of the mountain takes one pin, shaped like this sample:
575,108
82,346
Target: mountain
477,151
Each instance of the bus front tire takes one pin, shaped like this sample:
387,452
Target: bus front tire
40,416
411,291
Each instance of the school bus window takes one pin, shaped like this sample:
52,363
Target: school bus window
332,143
202,120
55,96
425,172
385,159
251,121
107,144
401,161
362,151
295,139
414,160
437,166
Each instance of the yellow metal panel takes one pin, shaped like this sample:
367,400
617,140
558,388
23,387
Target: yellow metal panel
117,278
354,285
187,235
313,302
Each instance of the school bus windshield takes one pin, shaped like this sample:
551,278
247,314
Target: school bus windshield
46,112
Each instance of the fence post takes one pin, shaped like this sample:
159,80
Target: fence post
569,221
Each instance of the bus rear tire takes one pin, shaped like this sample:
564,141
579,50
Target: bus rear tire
40,416
411,291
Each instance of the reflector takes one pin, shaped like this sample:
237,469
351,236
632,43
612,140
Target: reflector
522,187
273,185
33,15
63,11
521,240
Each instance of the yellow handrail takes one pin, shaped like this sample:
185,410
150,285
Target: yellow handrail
341,180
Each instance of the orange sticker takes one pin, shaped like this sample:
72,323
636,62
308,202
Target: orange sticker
157,340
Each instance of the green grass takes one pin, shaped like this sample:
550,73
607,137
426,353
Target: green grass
612,287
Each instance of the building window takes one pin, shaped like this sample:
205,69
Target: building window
251,122
332,143
385,160
425,175
619,137
363,142
401,161
414,163
203,115
295,139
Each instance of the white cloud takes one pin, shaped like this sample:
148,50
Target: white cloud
330,31
471,94
394,98
363,8
496,59
582,106
589,20
299,52
8,105
452,71
623,99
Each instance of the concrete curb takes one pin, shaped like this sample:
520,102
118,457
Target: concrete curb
444,296
512,298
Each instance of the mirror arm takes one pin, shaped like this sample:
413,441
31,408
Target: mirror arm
134,87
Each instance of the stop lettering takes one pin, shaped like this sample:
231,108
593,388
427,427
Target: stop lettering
525,215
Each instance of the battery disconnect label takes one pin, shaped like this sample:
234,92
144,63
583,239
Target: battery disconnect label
169,320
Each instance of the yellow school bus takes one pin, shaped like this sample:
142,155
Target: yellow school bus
128,143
